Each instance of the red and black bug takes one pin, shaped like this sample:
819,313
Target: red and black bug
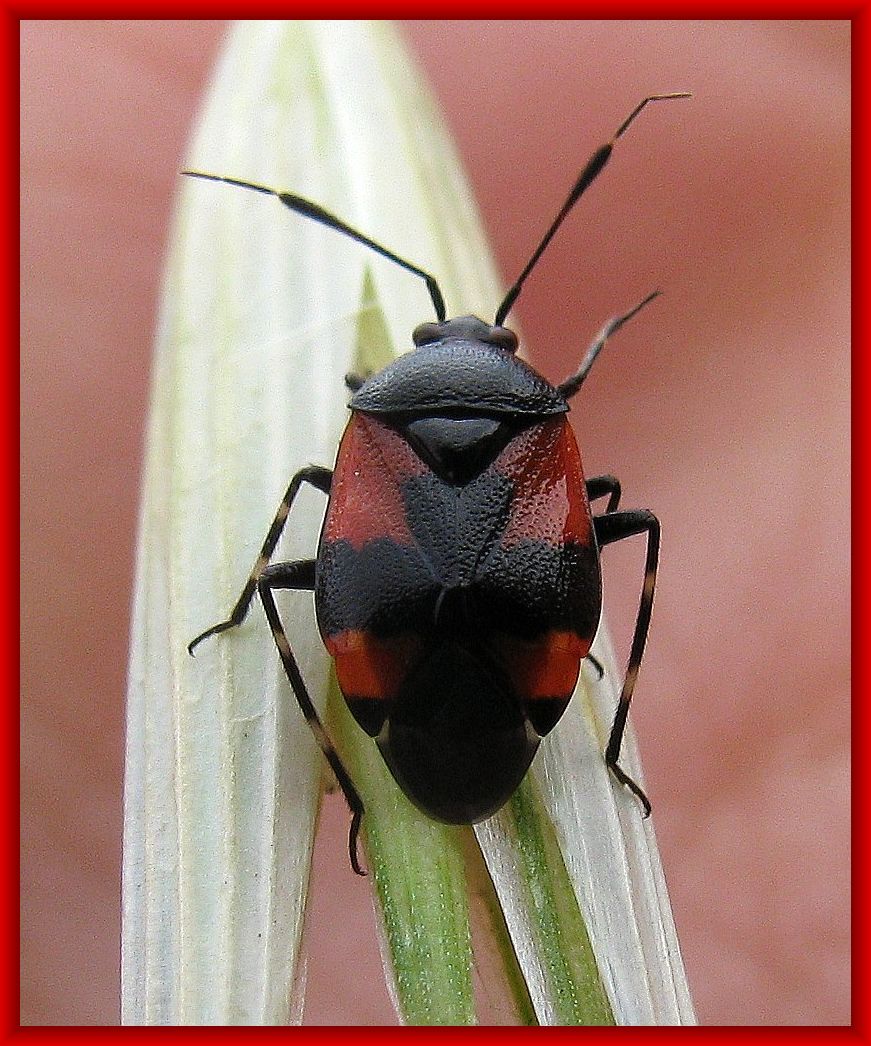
457,581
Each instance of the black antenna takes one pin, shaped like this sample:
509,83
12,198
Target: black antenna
594,165
312,210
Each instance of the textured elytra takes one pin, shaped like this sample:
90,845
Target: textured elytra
458,614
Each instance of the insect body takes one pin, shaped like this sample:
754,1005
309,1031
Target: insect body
457,582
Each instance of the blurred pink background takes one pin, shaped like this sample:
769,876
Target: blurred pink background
725,409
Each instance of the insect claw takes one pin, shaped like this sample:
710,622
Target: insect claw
634,788
352,843
214,630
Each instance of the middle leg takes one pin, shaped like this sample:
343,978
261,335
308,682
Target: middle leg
612,527
301,576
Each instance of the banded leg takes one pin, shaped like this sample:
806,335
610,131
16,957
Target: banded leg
616,526
571,385
301,575
599,486
315,475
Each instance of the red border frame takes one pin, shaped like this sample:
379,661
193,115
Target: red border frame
862,563
858,16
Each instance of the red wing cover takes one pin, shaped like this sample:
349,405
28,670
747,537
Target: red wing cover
507,561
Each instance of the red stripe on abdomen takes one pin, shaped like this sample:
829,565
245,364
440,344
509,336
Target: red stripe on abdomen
545,667
371,667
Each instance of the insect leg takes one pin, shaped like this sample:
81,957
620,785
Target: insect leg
301,576
599,486
597,664
612,527
315,475
571,385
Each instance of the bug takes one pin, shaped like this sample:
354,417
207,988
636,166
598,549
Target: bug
457,581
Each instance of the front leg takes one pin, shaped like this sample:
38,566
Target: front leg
599,486
315,475
570,386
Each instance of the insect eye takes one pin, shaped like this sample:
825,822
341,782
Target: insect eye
426,333
503,338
